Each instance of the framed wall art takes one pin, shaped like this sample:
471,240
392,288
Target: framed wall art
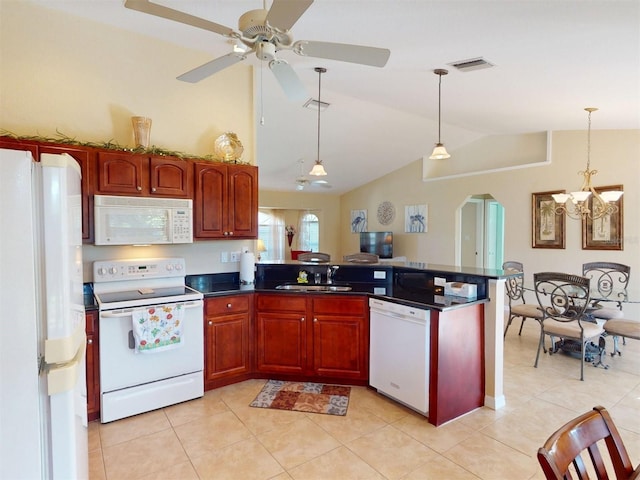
606,232
415,218
548,229
358,221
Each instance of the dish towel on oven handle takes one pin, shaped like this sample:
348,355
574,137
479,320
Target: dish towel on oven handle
158,327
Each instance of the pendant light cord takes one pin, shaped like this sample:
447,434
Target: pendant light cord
319,83
439,102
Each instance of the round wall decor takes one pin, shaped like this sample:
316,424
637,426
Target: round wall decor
386,213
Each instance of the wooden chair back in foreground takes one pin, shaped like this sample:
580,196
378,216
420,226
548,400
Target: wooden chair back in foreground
518,307
316,257
563,299
562,457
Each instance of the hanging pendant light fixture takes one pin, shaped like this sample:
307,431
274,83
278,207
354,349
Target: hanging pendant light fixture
439,152
575,204
318,170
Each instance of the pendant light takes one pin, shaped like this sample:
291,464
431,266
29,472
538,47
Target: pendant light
439,152
318,170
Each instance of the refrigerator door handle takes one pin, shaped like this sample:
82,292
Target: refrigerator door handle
62,377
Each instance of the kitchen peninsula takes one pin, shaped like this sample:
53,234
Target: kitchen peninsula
304,333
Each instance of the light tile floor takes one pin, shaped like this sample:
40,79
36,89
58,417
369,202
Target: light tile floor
220,437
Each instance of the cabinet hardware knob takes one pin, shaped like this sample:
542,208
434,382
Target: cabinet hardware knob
315,319
139,188
302,319
228,305
153,189
210,322
90,341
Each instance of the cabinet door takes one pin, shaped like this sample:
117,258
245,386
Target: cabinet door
92,365
170,177
83,157
209,209
282,343
340,337
122,174
243,201
227,336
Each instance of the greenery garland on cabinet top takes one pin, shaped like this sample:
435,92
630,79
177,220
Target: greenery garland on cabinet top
63,139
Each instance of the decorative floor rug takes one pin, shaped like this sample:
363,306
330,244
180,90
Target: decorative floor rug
303,397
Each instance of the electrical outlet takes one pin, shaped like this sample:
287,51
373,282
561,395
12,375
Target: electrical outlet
224,257
235,256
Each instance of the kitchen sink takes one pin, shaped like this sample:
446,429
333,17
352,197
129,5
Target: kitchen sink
306,287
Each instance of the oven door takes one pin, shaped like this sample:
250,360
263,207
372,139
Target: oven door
121,367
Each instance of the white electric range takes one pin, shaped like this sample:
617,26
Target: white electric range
151,336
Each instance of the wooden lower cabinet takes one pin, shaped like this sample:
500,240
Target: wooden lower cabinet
93,365
313,336
228,340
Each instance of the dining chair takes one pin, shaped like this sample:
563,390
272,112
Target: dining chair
565,451
609,281
518,307
563,299
622,327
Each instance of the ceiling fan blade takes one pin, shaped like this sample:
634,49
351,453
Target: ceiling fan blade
375,57
288,80
209,68
284,13
146,6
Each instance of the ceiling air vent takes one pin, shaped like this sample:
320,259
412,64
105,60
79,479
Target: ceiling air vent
471,64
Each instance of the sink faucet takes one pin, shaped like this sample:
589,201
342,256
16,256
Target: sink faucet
331,271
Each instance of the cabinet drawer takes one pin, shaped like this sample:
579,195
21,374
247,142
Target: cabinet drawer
342,305
282,303
224,305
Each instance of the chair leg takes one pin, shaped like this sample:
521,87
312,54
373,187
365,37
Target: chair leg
615,346
511,317
602,344
540,344
521,325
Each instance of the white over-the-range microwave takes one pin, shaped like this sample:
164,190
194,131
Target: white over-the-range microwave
142,220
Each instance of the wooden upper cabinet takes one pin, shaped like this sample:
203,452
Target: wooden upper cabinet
171,177
225,201
121,173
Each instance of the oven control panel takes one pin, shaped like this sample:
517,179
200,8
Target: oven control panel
137,269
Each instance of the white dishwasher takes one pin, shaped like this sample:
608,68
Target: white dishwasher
399,353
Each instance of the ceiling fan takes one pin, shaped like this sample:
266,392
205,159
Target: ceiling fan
302,181
265,33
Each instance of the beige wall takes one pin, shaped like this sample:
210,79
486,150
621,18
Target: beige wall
58,73
615,154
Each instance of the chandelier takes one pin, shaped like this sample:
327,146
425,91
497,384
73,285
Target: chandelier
575,204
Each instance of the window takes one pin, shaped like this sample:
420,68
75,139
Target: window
271,232
309,232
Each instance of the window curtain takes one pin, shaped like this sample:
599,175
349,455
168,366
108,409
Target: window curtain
272,233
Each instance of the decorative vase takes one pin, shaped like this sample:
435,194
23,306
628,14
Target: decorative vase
290,238
141,131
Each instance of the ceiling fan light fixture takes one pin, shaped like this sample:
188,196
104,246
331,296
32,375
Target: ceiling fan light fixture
439,152
318,170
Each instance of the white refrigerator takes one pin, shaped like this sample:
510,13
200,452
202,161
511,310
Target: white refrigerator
43,400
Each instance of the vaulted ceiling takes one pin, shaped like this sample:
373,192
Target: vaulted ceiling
551,59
